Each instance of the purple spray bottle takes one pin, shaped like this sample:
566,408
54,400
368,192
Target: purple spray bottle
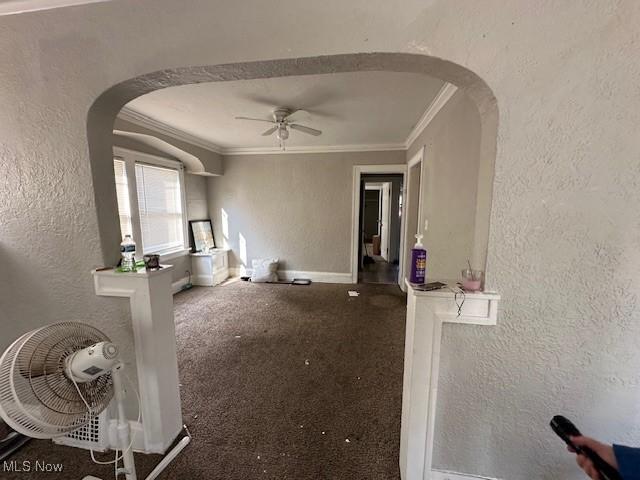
419,260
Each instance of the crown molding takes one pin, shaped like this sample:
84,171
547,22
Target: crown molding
443,96
14,7
382,147
130,115
446,92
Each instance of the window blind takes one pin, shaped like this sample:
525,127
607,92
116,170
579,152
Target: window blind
160,206
122,193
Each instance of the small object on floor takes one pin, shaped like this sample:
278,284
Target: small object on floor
195,417
353,293
295,281
264,270
347,440
238,336
306,362
323,433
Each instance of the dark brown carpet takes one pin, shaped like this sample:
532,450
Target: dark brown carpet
276,379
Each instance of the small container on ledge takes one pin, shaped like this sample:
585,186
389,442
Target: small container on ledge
472,280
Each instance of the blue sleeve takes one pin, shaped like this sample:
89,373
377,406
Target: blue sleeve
628,462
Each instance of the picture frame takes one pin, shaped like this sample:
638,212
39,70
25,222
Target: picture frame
201,237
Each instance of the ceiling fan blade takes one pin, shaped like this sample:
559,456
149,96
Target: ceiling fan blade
302,128
255,119
299,116
270,131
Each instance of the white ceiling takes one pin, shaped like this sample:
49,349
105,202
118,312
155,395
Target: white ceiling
360,108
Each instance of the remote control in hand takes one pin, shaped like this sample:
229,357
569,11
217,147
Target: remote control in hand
565,430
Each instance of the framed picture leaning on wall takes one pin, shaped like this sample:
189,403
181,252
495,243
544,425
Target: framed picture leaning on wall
201,233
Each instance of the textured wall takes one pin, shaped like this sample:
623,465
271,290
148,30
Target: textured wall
563,246
450,187
296,207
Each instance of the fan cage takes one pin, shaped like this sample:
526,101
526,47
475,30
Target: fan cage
92,436
36,397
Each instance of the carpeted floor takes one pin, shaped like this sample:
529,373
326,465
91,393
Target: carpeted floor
279,382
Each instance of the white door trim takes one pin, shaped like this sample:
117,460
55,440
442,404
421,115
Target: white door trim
384,222
418,157
358,171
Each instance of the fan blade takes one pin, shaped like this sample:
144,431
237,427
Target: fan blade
299,116
302,128
255,119
270,131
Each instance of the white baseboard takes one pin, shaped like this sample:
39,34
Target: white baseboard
320,277
446,475
177,285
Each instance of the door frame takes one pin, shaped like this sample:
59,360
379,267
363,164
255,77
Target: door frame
418,158
358,171
384,221
378,188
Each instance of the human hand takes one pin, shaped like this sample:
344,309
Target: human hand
603,450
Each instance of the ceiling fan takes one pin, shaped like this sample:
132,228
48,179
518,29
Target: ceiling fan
282,124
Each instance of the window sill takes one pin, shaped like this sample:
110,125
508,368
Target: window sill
181,252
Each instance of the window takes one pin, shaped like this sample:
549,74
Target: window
122,192
160,206
150,193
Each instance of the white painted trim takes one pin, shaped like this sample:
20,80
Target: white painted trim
153,325
14,7
447,475
319,277
413,161
358,171
443,96
178,284
130,115
440,100
382,147
426,314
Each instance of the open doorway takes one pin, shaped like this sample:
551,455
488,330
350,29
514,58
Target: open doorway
380,227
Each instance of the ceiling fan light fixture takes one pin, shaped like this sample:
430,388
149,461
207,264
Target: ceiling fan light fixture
283,133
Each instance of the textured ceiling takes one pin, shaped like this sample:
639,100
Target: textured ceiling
360,108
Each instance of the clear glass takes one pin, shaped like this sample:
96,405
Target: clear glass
472,280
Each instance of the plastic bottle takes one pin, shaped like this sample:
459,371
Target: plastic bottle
418,260
128,252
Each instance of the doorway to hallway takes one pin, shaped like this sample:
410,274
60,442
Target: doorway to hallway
380,227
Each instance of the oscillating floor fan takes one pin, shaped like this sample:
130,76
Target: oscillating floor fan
55,379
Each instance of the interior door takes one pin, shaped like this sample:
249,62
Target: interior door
385,220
